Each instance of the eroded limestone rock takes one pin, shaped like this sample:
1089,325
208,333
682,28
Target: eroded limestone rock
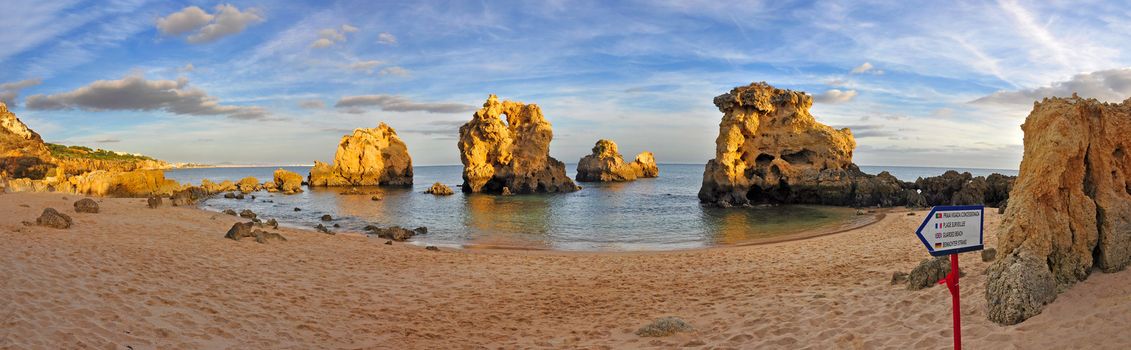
368,157
512,155
1069,209
288,181
771,150
605,164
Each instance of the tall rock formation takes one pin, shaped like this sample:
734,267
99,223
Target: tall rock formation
607,165
771,150
514,155
1069,209
22,151
368,157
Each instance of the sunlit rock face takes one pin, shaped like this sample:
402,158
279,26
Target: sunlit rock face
1069,209
605,164
368,157
22,151
771,150
512,156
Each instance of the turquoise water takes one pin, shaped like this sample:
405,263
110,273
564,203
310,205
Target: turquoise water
648,214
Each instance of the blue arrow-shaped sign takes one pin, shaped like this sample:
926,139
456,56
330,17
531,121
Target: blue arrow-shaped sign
952,229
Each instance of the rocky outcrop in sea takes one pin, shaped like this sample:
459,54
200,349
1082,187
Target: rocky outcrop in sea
1069,209
513,156
605,164
368,157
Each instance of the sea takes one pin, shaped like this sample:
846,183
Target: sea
647,214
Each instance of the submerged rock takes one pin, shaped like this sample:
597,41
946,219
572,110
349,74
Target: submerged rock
368,157
54,219
86,205
514,154
440,189
771,150
606,164
1069,209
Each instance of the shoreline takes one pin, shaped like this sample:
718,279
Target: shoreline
166,278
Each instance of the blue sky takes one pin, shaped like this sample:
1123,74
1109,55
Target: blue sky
263,82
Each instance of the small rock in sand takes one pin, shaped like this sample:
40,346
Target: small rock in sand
323,229
898,277
911,214
988,254
432,248
929,272
327,217
388,242
663,327
86,205
273,223
247,213
375,198
54,219
153,202
230,212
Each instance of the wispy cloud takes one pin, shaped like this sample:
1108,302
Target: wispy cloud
1112,85
330,36
227,20
386,38
835,96
398,104
11,90
138,94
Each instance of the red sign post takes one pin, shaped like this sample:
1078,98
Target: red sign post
948,231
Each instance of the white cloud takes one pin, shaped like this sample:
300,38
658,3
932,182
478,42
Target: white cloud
138,94
364,66
835,96
330,36
395,70
355,104
183,21
187,68
387,38
1112,85
11,90
226,21
866,68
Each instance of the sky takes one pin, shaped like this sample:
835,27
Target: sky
264,82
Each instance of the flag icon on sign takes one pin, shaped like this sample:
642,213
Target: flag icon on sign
938,215
938,245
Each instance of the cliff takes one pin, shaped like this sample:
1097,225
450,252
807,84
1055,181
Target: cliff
22,151
513,156
368,157
605,164
770,149
1069,209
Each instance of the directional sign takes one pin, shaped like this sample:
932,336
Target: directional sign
952,229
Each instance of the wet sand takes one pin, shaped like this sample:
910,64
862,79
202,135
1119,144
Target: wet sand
166,278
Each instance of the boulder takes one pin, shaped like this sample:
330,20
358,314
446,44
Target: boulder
248,214
770,149
1069,208
212,187
514,154
272,223
327,217
288,181
188,196
153,202
440,189
241,230
928,273
395,233
368,157
270,187
86,205
230,212
248,184
606,165
54,219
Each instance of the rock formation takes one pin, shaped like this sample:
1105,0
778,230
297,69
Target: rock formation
368,157
440,189
1069,209
953,188
771,150
606,165
288,181
248,185
513,156
22,151
54,219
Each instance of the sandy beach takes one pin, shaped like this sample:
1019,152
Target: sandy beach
137,278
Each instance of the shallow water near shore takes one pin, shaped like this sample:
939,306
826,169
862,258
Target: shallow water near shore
648,214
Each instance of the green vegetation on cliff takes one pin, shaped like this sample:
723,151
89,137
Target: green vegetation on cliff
71,152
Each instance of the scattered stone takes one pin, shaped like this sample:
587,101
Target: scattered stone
432,248
230,195
388,242
420,230
240,196
337,226
395,233
247,213
54,219
911,214
188,196
153,202
663,327
928,273
230,212
86,205
244,229
327,217
323,229
989,254
375,198
298,209
273,223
